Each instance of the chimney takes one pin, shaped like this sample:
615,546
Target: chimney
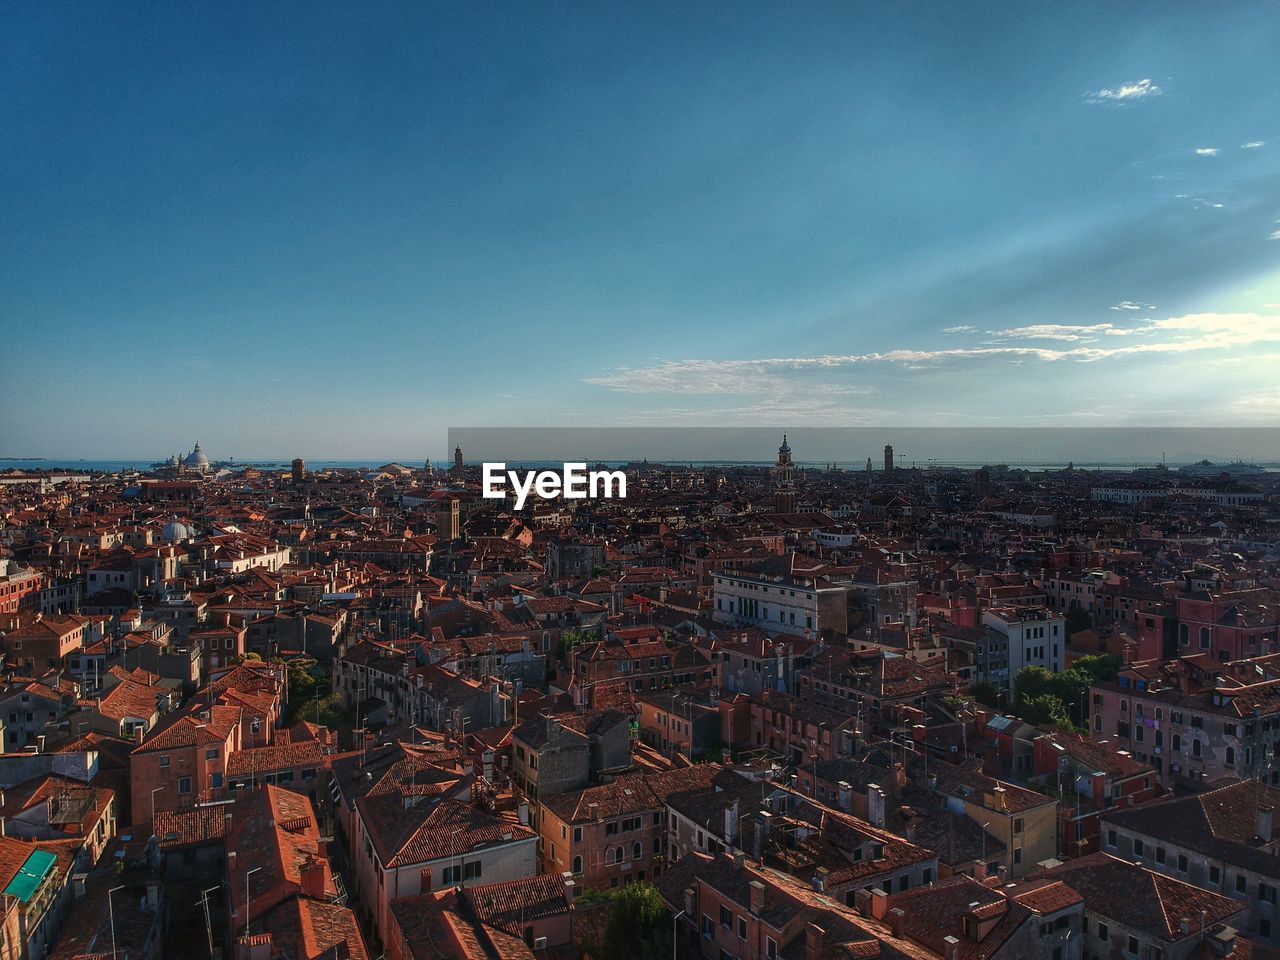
138,733
1266,820
845,794
424,879
764,829
1223,942
813,937
899,778
689,902
897,919
567,877
757,897
879,904
950,948
312,874
256,947
739,860
875,805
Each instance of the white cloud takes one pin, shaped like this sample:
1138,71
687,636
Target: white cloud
1055,331
1132,305
1206,151
963,328
1125,92
1274,236
1174,335
1253,145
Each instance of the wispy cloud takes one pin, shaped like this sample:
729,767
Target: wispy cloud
1132,305
1206,151
1125,93
1253,145
962,328
1174,335
1070,333
1274,236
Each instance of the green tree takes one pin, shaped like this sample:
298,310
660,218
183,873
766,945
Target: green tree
1101,667
639,926
570,639
986,693
1077,620
1043,709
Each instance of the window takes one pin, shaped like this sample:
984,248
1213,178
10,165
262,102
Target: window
1138,847
164,760
1264,927
770,948
577,834
1103,931
1133,946
215,781
637,851
1017,825
1215,874
1111,839
726,918
577,864
211,753
742,928
184,784
708,928
1182,863
1159,854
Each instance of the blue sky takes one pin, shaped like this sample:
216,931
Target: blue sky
335,230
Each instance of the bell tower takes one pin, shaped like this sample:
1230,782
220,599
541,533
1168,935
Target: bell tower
784,489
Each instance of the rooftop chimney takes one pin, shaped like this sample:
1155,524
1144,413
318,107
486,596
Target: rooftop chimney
1266,815
567,877
813,937
312,873
950,948
897,919
757,897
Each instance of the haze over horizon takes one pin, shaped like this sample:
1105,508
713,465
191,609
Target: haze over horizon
335,231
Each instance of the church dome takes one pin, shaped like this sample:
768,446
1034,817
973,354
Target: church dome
784,448
176,530
198,458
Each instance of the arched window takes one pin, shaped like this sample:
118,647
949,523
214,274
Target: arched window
1231,756
1159,713
637,851
577,864
608,855
1195,748
1184,634
1177,743
1204,638
1137,711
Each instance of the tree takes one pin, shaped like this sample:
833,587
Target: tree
639,926
570,639
1043,709
1101,667
986,693
250,655
1077,620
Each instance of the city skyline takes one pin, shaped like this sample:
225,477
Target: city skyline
343,232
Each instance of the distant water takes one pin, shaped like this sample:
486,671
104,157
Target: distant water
118,466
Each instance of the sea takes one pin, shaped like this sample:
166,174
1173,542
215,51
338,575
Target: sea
122,466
